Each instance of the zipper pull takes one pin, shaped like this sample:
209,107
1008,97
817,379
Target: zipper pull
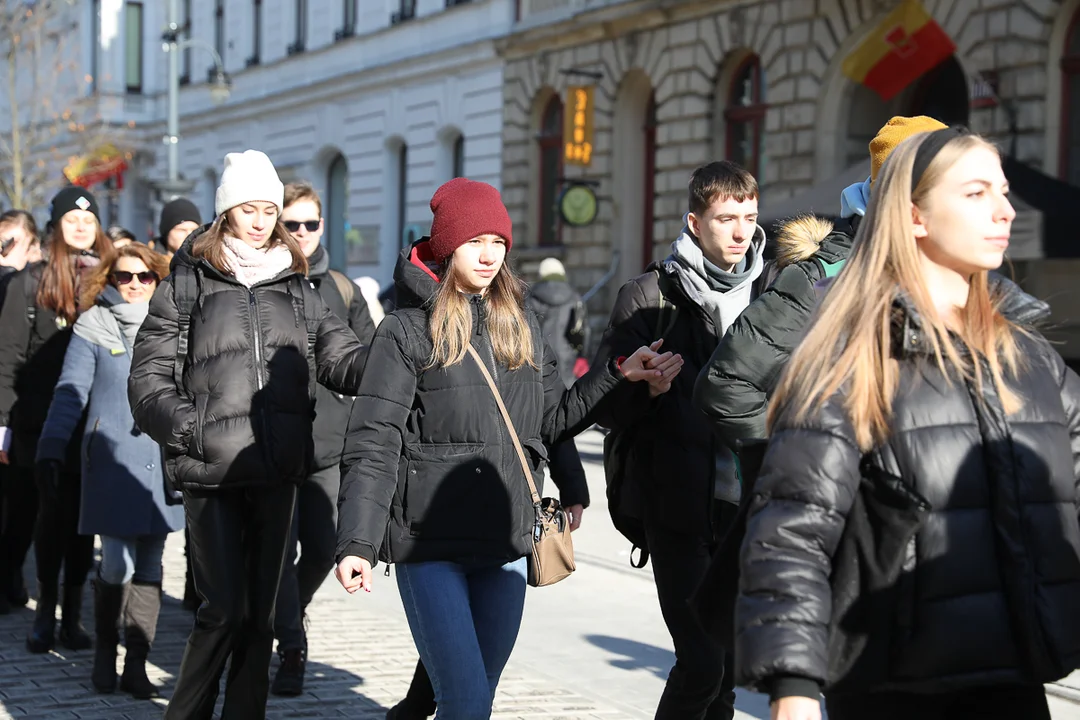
387,573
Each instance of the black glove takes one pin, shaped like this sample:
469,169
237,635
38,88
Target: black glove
47,475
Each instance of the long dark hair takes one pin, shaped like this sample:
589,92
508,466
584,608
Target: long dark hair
59,287
209,245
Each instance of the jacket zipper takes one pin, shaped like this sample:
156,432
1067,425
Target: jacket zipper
256,345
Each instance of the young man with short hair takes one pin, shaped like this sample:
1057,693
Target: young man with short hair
315,521
687,476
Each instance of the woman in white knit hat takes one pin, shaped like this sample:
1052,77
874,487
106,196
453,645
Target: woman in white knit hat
222,378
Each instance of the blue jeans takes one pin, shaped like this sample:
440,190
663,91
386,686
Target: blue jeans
131,558
464,621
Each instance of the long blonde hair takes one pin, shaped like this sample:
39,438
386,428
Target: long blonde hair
849,344
450,320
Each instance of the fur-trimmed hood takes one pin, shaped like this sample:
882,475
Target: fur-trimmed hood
800,238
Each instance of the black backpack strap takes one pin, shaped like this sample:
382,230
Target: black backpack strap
185,294
312,302
665,309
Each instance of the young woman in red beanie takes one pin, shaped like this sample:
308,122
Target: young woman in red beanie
433,482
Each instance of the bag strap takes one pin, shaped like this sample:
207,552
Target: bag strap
185,294
346,288
661,328
509,423
312,303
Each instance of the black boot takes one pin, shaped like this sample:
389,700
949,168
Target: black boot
419,702
108,602
140,626
73,635
289,680
42,637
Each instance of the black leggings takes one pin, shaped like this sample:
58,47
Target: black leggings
1008,702
56,538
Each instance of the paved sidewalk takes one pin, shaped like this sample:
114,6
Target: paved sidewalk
362,664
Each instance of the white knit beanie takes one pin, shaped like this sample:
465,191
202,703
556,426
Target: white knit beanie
551,267
248,177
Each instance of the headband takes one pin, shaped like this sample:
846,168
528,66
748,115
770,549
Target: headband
929,149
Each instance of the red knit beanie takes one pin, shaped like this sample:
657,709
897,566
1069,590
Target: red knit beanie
465,209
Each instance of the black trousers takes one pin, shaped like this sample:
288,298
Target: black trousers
237,543
20,501
56,537
314,527
1009,702
698,686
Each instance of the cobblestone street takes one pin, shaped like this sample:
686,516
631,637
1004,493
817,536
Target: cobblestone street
605,649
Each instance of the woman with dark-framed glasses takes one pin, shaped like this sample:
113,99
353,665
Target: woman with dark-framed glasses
123,490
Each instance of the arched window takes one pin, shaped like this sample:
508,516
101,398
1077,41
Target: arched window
402,192
337,210
744,116
1070,104
550,140
459,156
649,198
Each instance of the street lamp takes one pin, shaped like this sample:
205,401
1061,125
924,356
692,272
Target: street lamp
173,187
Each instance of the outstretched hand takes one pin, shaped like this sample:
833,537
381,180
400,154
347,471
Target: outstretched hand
657,369
354,573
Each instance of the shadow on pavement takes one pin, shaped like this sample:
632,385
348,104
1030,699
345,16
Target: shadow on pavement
633,655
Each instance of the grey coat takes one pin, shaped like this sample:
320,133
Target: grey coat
123,492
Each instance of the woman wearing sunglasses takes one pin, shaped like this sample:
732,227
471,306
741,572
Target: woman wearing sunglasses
41,303
123,492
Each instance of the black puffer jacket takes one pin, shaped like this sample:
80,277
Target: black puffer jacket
991,583
432,473
733,388
564,322
31,359
675,455
244,414
332,409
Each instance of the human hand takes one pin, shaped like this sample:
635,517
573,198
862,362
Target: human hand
47,475
3,458
354,573
649,365
574,512
796,708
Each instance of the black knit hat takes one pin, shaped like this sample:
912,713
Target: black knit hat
72,198
175,212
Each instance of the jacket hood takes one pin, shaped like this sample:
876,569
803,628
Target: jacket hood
553,293
414,276
803,237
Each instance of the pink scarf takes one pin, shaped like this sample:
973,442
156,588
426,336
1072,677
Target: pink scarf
251,266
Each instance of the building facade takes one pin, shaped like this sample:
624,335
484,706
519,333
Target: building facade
678,84
375,102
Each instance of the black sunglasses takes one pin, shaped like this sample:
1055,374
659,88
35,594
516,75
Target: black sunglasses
123,277
294,225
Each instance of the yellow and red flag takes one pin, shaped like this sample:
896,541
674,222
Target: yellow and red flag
906,44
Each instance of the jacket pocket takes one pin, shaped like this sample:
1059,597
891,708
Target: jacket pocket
536,453
445,484
91,437
200,421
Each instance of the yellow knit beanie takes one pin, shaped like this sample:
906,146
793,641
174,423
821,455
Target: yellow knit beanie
896,131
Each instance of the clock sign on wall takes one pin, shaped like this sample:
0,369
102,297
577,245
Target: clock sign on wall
577,205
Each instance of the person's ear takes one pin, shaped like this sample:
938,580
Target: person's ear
918,223
693,223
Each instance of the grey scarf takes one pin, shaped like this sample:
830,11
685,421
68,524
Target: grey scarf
112,323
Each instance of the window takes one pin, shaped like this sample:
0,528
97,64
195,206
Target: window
745,116
133,46
459,156
402,192
337,200
185,33
219,35
551,152
256,34
452,3
301,27
406,11
649,198
95,43
348,25
1070,105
